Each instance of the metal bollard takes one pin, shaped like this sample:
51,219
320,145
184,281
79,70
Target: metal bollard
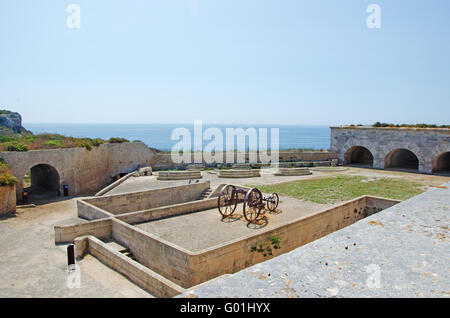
71,257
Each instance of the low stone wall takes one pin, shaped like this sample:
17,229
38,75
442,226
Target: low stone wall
157,254
196,167
98,228
137,273
234,173
179,175
300,164
7,199
293,172
138,201
234,256
167,211
115,184
186,268
163,161
91,212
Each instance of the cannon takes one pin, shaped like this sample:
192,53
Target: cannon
254,202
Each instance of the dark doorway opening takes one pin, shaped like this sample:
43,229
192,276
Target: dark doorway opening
358,156
401,159
441,164
41,183
118,176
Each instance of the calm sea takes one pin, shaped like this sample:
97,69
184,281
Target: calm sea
158,135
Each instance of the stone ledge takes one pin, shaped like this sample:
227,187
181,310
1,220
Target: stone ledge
232,173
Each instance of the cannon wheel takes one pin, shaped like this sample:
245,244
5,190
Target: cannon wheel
252,204
227,200
272,201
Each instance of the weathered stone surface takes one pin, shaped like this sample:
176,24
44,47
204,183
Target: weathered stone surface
145,171
179,175
7,199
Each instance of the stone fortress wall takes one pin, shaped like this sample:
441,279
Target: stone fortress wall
426,150
83,171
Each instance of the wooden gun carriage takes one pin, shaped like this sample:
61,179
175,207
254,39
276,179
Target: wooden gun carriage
254,202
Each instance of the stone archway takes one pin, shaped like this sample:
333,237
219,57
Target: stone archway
402,159
358,155
44,183
441,164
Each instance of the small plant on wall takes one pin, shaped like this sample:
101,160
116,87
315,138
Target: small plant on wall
6,179
267,247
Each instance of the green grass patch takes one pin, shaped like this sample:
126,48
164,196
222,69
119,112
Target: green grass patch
342,188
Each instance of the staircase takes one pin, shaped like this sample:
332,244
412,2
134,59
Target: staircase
121,249
205,194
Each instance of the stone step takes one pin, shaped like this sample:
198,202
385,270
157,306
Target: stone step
178,175
129,254
232,173
205,194
293,172
121,249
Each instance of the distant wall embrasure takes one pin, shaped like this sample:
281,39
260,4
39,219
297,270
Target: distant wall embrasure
394,147
84,171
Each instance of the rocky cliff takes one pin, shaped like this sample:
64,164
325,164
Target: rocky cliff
11,123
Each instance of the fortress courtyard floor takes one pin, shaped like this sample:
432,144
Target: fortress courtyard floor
267,177
205,229
33,266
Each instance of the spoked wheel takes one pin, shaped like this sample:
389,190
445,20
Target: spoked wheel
227,200
253,205
272,201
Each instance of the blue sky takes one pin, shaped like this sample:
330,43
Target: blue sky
242,62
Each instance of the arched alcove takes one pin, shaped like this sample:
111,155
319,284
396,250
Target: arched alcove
441,164
401,159
42,182
358,155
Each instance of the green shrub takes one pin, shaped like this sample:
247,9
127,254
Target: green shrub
7,180
55,143
378,124
97,142
84,143
6,139
16,146
116,140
